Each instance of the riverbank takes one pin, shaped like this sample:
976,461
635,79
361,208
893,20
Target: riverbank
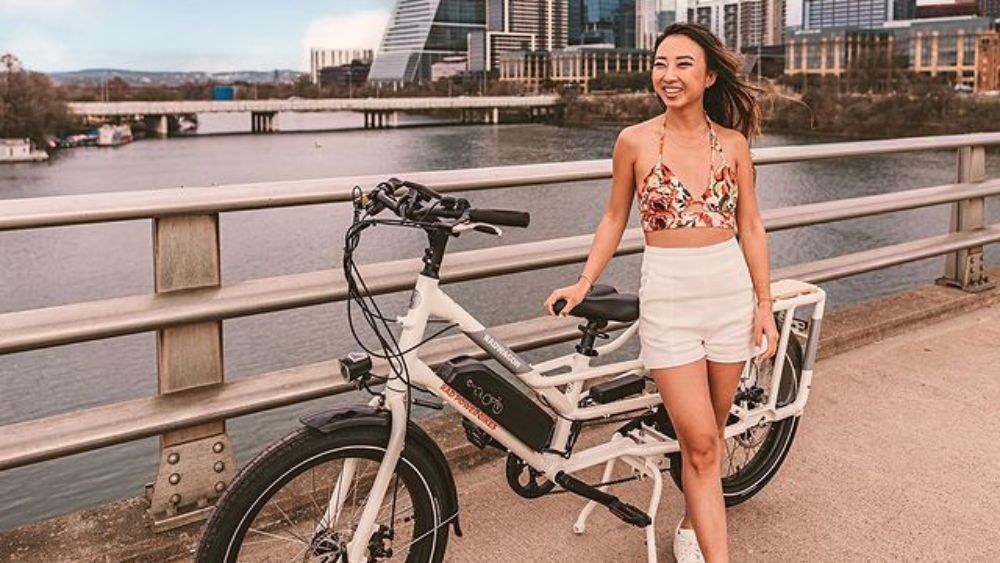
819,113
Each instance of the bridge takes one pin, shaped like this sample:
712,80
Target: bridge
378,112
863,418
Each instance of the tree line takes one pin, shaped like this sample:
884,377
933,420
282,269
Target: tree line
30,105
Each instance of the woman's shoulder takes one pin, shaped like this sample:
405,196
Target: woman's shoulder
634,134
733,141
727,134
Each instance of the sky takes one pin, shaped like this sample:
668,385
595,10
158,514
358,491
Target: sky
185,35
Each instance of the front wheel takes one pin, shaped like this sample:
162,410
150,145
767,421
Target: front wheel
750,459
283,506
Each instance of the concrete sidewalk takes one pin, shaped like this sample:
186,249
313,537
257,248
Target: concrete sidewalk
895,460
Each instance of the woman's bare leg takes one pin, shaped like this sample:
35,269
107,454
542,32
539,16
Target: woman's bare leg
686,393
723,379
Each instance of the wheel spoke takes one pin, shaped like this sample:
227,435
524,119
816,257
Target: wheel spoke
273,537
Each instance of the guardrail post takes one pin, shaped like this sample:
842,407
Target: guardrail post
966,269
196,463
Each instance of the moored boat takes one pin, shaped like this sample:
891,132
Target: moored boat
20,150
113,135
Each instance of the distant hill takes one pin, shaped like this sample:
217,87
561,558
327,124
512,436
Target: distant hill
151,78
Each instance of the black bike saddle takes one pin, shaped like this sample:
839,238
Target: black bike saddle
604,303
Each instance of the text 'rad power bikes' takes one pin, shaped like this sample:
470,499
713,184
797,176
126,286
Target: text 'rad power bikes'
366,484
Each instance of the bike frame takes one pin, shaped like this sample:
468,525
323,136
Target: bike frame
428,299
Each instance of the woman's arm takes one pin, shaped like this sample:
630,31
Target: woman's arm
753,239
609,231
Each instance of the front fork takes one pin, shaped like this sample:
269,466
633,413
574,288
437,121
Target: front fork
358,546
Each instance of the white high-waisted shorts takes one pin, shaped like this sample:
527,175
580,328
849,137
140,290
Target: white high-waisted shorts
695,302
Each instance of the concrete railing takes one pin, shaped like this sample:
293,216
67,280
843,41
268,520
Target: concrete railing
190,302
105,109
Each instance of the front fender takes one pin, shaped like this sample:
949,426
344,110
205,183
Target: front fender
335,420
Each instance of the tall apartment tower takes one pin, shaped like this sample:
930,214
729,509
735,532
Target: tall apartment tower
422,32
518,25
651,17
738,23
762,22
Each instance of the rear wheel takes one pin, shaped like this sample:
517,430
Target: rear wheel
276,507
753,457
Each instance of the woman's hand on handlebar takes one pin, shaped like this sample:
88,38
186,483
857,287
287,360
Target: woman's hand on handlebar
573,294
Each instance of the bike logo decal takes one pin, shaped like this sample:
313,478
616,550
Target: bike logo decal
414,299
468,406
514,363
486,399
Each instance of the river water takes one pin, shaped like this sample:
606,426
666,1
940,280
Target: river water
48,267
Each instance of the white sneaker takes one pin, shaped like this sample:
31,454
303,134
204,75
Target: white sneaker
686,548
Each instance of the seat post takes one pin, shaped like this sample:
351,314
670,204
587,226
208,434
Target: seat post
593,330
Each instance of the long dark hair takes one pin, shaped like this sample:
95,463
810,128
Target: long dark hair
732,100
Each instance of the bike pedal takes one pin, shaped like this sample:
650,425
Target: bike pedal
630,514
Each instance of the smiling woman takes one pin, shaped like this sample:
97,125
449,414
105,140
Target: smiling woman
704,295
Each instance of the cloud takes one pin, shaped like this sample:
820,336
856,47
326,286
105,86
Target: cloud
357,30
47,9
36,50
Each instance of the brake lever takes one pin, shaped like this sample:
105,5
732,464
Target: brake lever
481,227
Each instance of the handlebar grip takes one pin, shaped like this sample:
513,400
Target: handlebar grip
505,217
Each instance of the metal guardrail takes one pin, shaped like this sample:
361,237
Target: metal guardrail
190,303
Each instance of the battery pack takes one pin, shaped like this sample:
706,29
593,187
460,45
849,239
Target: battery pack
490,398
611,391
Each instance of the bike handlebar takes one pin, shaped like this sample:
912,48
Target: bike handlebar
505,217
409,207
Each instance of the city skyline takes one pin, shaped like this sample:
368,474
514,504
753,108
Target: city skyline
185,35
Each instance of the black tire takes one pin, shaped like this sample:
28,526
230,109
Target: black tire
775,438
273,475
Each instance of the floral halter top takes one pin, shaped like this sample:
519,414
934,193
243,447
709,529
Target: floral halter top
664,202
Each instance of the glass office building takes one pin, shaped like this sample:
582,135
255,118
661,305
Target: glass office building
820,14
611,22
422,32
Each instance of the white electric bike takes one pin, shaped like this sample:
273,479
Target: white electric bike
366,484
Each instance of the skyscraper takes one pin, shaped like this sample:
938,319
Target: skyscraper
651,17
762,22
739,23
514,25
422,32
603,21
